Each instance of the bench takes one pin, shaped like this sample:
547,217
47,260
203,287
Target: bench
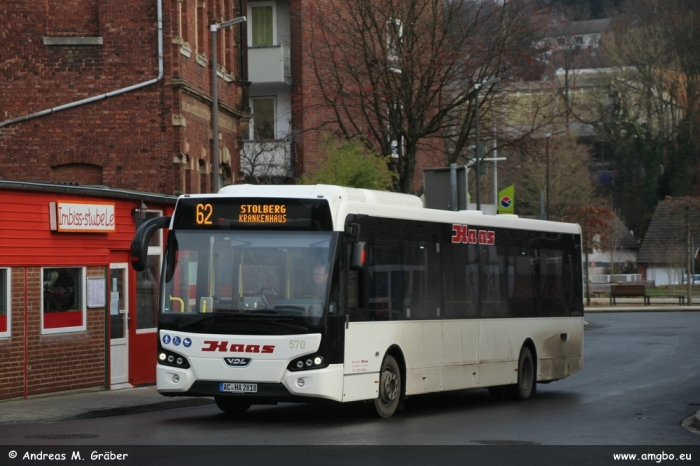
681,297
628,291
597,289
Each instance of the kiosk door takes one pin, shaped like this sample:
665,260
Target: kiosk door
119,325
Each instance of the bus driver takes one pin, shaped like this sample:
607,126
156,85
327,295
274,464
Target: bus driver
318,288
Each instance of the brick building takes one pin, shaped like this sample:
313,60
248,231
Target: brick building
115,97
119,93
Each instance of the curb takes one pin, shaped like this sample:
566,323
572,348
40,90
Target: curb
602,309
138,409
692,423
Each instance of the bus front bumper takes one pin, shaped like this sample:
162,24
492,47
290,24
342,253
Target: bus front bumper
326,383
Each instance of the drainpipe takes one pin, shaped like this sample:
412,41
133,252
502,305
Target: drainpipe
108,94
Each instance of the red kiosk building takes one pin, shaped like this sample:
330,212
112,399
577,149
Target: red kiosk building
73,314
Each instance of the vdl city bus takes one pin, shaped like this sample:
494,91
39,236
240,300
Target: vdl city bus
416,300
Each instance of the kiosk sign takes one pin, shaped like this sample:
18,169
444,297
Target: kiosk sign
82,217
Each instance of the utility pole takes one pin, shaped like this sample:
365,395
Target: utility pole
477,87
215,98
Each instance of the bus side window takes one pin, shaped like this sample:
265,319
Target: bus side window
356,311
353,289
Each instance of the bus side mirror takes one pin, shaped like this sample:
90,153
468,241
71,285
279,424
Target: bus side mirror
358,256
139,245
352,231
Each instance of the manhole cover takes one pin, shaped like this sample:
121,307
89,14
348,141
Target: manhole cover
505,442
61,436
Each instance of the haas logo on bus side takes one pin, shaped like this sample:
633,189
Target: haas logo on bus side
224,346
464,234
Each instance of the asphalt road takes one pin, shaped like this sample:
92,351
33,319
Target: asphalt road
641,379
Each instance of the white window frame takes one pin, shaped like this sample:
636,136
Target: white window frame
392,47
8,301
83,302
252,5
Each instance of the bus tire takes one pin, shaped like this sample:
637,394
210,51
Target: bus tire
527,383
231,405
389,388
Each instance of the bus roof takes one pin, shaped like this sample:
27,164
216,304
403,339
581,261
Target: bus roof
323,191
344,201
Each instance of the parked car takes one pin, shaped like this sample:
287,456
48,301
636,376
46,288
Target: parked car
696,279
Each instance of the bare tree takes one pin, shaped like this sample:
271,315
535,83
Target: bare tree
569,181
595,225
402,73
616,240
267,161
687,209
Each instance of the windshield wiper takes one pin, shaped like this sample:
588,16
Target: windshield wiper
202,319
292,326
239,316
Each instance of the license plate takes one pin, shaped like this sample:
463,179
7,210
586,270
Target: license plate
238,387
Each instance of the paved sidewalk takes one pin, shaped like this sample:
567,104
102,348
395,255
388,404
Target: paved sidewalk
90,404
637,305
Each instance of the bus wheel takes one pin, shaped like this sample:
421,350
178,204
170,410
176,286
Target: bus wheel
231,405
389,388
526,385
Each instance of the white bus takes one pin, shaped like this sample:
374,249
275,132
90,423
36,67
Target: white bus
414,300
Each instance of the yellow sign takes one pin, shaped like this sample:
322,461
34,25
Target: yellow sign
263,213
203,214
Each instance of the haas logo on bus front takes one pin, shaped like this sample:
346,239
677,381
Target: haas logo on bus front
225,346
464,234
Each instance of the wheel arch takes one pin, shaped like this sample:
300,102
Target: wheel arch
396,352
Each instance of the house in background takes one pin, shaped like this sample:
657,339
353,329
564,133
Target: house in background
619,256
664,252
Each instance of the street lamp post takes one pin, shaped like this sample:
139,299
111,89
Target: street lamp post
495,161
546,151
214,28
477,87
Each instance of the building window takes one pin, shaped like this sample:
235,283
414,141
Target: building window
264,118
200,20
394,39
262,25
148,282
63,299
5,321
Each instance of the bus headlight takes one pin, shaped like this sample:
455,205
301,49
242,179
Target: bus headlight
312,361
168,358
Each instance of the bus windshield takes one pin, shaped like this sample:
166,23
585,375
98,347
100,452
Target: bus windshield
261,273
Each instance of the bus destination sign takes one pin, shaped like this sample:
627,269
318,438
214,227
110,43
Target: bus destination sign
249,213
263,213
234,213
